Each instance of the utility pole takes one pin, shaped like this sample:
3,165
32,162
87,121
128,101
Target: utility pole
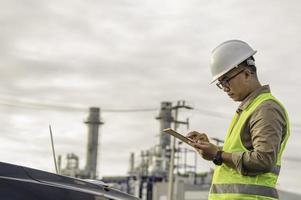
180,104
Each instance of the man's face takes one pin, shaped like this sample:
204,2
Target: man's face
233,83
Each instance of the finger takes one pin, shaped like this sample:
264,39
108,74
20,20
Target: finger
201,145
202,137
192,134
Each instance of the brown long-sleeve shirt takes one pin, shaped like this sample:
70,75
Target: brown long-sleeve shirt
262,135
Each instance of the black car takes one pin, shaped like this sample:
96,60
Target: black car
23,183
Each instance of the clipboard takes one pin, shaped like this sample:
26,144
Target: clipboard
178,136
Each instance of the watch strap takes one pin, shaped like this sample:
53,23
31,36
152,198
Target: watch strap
218,159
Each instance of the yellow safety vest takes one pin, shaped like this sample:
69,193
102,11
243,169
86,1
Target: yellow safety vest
227,183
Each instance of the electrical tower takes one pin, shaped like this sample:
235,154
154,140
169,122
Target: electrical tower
180,105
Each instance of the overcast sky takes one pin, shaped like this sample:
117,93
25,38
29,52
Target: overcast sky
127,54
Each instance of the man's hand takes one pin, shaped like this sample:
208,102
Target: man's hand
197,137
202,144
206,149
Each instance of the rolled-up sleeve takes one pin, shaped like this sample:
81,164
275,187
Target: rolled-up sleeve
266,127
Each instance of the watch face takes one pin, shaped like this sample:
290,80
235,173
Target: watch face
218,160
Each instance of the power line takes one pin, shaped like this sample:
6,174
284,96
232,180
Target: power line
34,105
211,113
129,110
80,108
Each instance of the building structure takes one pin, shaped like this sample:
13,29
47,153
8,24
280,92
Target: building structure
148,175
93,122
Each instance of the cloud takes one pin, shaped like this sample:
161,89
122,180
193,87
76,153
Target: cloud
126,54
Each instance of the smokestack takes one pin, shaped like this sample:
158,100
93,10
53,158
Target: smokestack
93,122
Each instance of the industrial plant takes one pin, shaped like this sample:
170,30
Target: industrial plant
161,172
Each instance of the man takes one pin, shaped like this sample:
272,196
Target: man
248,165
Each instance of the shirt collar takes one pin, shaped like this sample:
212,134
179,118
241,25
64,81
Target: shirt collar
246,102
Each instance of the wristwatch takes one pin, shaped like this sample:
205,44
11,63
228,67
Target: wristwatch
218,160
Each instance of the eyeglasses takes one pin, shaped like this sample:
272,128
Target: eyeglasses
225,81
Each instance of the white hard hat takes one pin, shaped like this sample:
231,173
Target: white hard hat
228,55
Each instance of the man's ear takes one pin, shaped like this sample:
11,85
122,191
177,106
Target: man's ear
248,74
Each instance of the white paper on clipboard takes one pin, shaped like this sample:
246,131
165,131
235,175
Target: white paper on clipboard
178,136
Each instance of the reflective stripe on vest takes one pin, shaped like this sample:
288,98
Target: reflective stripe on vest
245,189
227,183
